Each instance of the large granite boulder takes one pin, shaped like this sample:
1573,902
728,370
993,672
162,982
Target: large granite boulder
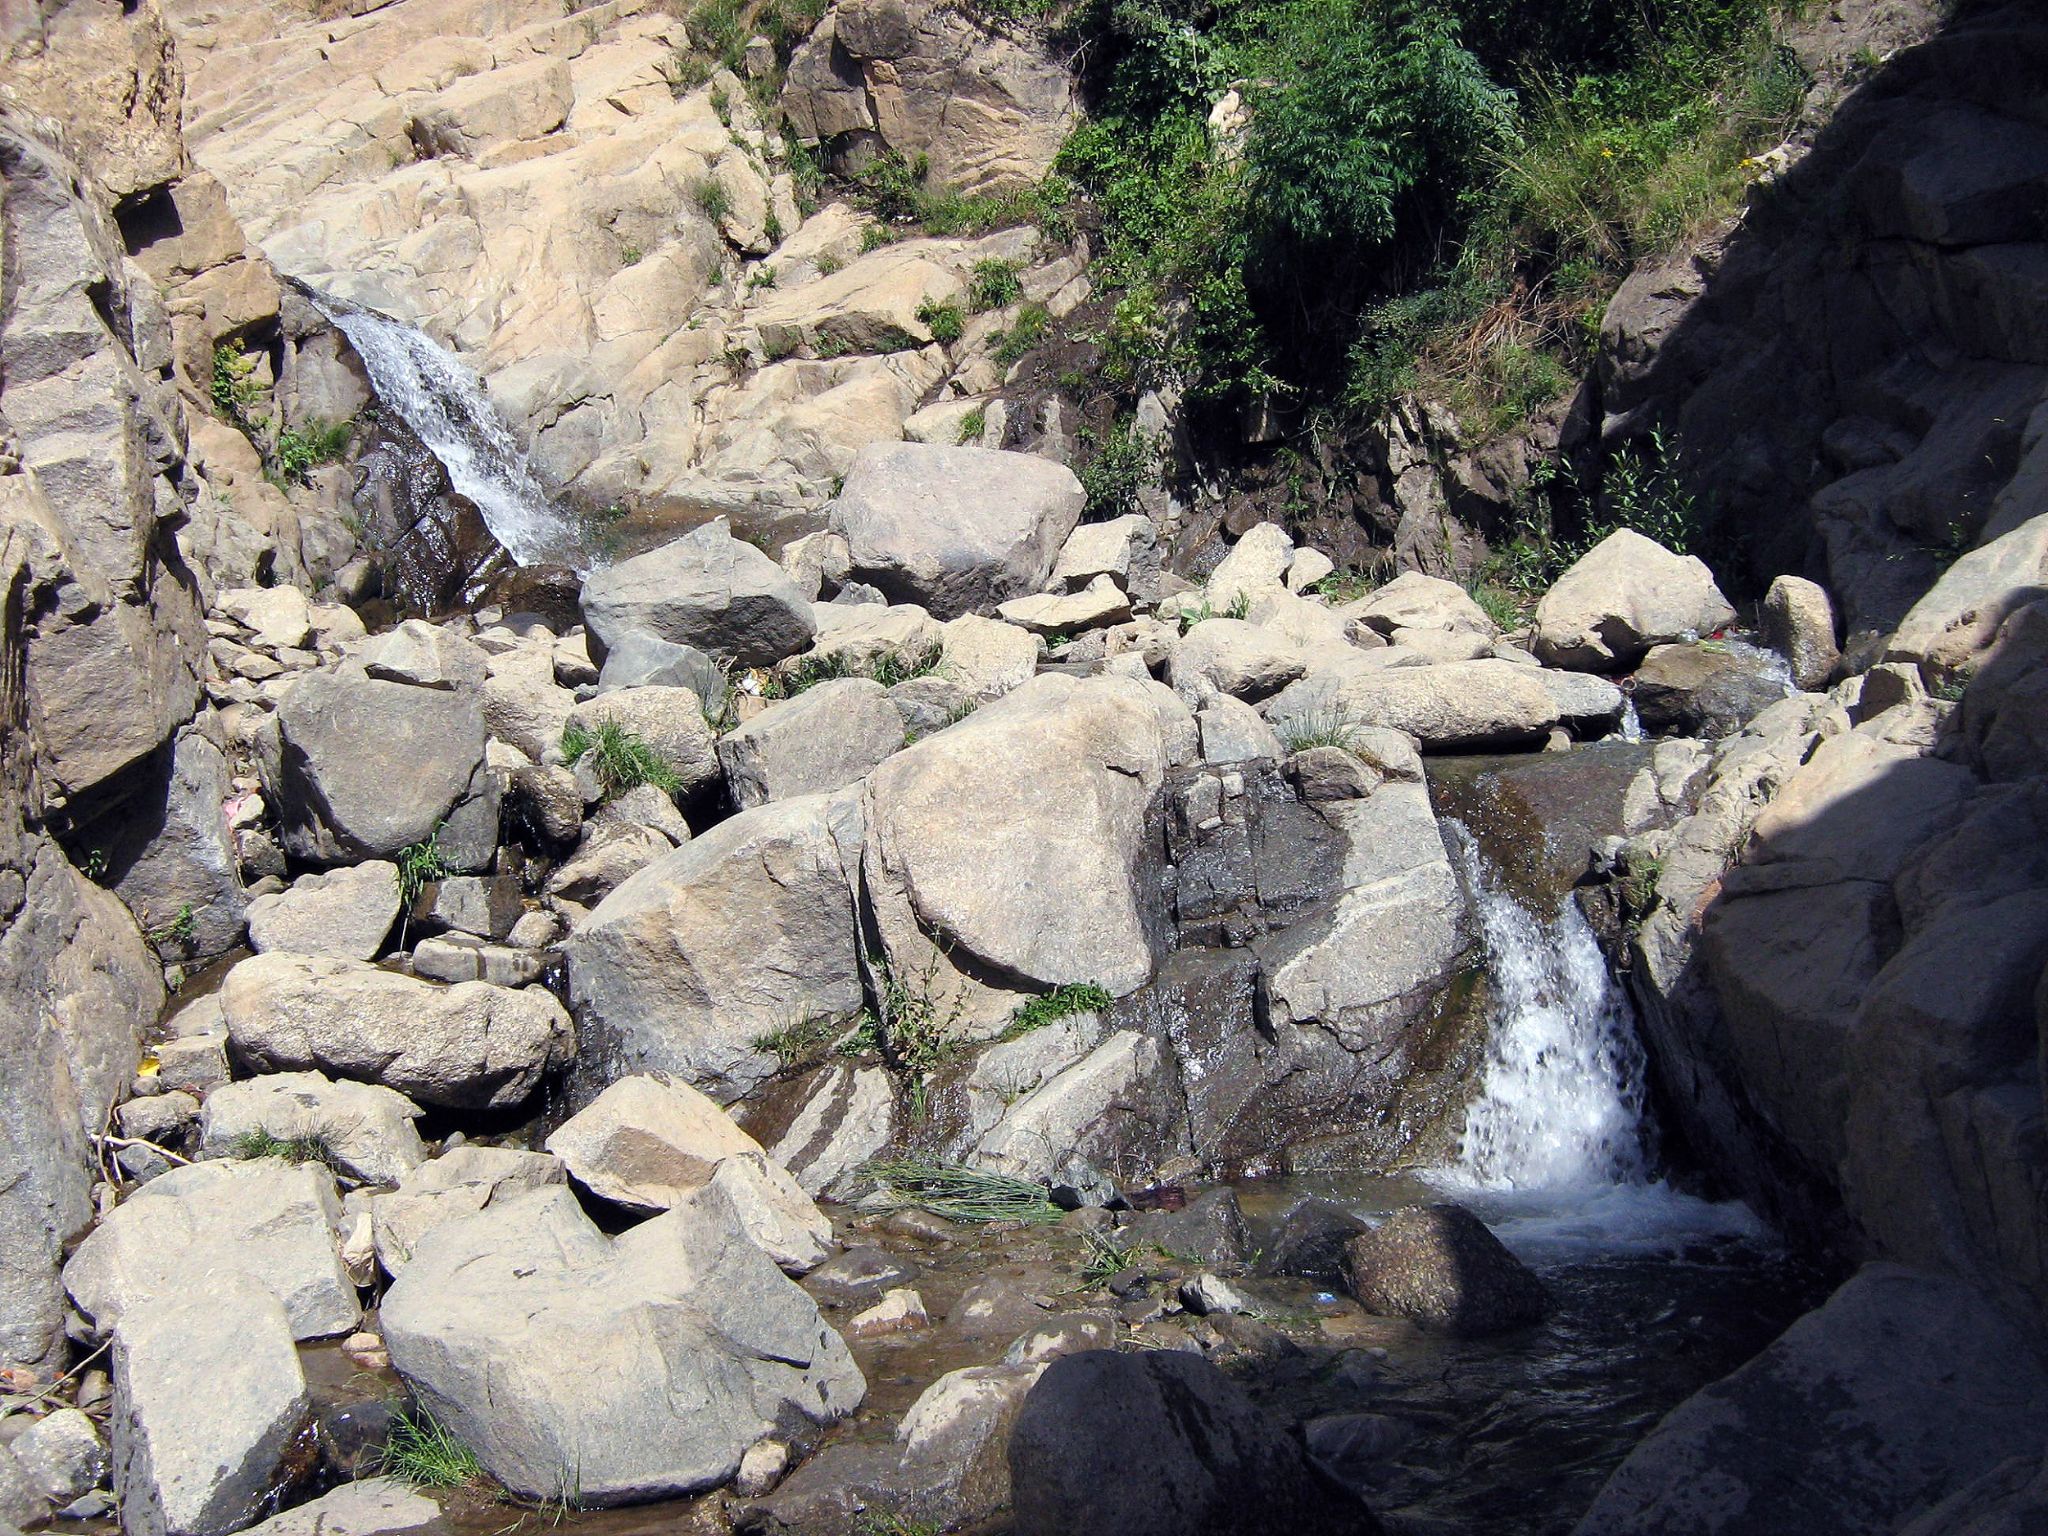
688,1347
1623,596
956,530
707,590
825,738
1161,1444
1454,706
364,1130
208,1397
269,1221
1899,1391
458,1183
368,768
472,1045
728,939
346,912
1060,775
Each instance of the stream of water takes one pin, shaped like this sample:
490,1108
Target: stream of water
444,404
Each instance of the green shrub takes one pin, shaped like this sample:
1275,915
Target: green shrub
944,320
1061,1002
236,389
620,759
300,449
718,27
994,285
1118,465
972,425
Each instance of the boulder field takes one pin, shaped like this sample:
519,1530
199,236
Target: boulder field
794,1017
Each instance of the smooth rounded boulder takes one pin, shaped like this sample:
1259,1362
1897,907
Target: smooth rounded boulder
1623,596
469,1046
957,530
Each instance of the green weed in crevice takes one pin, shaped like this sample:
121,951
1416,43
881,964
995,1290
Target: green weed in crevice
620,758
421,1451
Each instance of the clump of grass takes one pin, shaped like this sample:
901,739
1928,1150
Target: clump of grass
621,759
1061,1002
882,1522
806,1039
1497,603
959,1193
251,1145
420,865
712,199
972,425
421,1451
945,321
1317,728
300,449
994,284
1026,332
888,667
1120,463
1107,1259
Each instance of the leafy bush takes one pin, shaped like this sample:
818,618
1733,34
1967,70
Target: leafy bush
1117,466
1061,1002
1027,331
300,449
236,389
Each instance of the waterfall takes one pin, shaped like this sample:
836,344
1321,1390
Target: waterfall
445,405
1559,1147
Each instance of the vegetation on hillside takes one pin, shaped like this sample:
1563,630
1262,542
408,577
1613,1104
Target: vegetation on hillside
1417,194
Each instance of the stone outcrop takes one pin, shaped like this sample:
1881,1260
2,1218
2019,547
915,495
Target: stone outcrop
682,1308
987,107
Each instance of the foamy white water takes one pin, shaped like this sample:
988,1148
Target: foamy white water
445,405
1559,1153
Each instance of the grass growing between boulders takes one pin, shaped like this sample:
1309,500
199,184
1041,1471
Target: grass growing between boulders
1060,1003
887,667
293,1149
1317,728
959,1193
620,759
422,1452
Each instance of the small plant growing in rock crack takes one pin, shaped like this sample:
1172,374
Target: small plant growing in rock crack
811,1037
236,389
620,759
1317,728
972,425
959,1193
945,321
301,449
1951,688
422,1452
888,667
881,1522
761,277
179,931
994,284
712,199
1105,1259
919,1031
1062,1002
420,865
253,1144
1026,332
631,256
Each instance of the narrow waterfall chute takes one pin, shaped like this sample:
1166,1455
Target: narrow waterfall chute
444,404
1559,1148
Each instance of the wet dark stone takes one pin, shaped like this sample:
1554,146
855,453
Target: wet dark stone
858,1275
1439,1265
1161,1444
553,594
1309,1242
352,1437
1712,689
1536,818
1267,859
1209,1230
430,543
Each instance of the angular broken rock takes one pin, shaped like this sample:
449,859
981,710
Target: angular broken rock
957,530
275,1223
458,1183
560,1355
649,1141
467,1046
1623,596
825,738
344,912
706,590
208,1395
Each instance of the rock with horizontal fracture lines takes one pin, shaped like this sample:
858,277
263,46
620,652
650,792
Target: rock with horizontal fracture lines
458,1183
825,738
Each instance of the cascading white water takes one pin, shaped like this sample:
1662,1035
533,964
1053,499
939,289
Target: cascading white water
445,405
1559,1150
1561,1106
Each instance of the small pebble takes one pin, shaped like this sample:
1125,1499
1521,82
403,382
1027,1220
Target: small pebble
761,1468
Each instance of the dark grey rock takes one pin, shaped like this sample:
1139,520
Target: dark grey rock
1439,1266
